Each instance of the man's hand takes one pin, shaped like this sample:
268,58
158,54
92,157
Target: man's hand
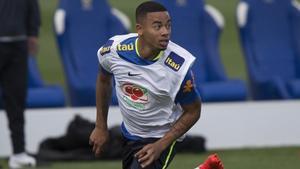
98,138
32,45
148,154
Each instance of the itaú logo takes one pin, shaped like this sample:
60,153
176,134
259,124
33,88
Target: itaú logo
171,63
135,93
125,47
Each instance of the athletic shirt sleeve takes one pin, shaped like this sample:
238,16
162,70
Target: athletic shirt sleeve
188,92
104,71
104,54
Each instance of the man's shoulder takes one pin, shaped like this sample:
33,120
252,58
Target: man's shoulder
117,42
179,50
178,57
118,39
126,44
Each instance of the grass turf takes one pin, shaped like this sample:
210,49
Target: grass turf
260,158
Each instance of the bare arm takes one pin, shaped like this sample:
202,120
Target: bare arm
191,114
103,97
100,136
150,152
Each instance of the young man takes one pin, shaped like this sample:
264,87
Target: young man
155,89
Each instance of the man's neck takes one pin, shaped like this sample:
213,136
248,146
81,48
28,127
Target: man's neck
145,51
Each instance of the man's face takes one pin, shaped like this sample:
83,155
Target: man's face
155,29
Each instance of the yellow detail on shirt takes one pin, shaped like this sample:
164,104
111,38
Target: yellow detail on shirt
158,56
136,47
137,51
125,47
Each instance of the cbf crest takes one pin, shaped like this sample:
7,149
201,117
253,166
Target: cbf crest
135,96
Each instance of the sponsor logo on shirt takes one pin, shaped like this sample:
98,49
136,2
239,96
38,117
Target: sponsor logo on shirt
125,47
106,48
174,61
133,74
135,96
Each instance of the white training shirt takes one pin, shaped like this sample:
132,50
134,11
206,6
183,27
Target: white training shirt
146,93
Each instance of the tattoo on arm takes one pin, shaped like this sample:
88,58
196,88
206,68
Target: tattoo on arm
103,97
191,114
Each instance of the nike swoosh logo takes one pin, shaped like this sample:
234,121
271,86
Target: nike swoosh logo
133,74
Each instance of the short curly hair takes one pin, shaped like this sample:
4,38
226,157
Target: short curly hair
146,7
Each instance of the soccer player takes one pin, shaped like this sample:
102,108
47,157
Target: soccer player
155,90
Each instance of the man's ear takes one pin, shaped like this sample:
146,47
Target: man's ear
139,29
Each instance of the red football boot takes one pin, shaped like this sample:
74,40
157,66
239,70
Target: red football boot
212,162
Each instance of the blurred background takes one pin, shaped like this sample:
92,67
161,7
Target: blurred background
50,64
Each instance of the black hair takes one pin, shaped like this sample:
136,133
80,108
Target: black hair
146,7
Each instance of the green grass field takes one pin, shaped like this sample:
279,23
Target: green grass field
267,158
51,67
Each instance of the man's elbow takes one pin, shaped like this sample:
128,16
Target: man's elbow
197,110
197,114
